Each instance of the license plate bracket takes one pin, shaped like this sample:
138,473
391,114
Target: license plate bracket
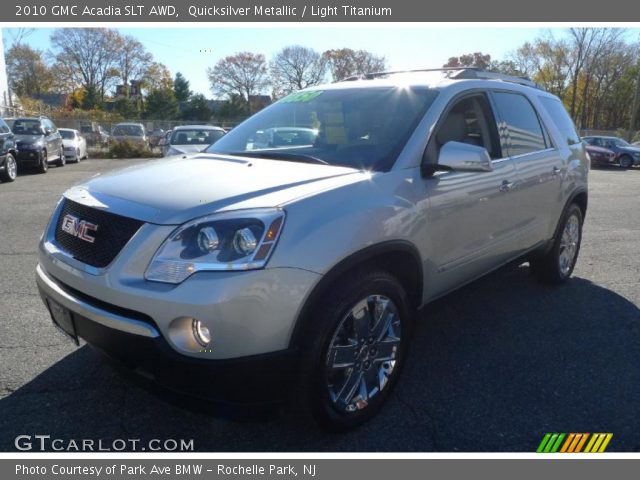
63,319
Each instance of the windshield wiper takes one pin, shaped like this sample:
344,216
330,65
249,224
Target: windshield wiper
286,156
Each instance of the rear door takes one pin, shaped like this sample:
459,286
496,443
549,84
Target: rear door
539,166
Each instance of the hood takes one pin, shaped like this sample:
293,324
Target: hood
174,190
28,138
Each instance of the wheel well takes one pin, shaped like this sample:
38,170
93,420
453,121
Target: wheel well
581,199
400,259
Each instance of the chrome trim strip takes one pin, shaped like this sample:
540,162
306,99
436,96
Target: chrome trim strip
51,289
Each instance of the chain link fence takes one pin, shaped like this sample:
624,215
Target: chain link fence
98,131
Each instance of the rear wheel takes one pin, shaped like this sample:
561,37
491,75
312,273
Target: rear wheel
62,161
44,162
556,265
626,161
10,171
354,350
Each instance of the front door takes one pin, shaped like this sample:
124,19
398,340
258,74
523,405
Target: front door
472,217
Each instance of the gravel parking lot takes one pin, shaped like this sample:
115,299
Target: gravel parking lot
493,367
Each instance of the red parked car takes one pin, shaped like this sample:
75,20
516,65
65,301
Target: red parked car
600,157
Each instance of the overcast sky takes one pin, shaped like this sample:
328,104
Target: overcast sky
191,50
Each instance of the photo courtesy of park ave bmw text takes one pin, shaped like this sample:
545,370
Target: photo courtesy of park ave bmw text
295,239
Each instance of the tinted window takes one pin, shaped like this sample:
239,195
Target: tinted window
27,127
196,136
128,130
520,129
561,119
67,134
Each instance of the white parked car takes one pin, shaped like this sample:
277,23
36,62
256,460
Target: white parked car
190,139
75,145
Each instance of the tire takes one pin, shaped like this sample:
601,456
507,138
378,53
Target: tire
321,392
44,163
556,265
626,161
10,171
62,161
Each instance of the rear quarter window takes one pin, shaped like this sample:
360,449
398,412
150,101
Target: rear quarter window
561,119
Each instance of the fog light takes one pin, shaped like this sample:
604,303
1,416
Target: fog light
201,333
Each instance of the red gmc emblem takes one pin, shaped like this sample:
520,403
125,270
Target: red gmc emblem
79,228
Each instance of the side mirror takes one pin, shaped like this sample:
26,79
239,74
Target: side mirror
463,157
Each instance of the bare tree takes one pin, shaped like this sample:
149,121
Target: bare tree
295,68
19,34
87,58
243,74
345,62
132,60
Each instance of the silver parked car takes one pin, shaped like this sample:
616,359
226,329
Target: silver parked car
190,139
74,144
294,272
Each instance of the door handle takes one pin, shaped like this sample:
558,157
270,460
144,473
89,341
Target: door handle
506,186
555,171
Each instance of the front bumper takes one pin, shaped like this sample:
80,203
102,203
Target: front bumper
138,346
29,157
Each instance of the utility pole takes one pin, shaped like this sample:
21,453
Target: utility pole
634,107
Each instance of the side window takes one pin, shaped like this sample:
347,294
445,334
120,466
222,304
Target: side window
563,121
4,128
470,120
520,128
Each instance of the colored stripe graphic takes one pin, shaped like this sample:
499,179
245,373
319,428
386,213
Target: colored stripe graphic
574,442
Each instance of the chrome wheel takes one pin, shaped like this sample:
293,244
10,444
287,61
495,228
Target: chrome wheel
12,167
569,244
362,354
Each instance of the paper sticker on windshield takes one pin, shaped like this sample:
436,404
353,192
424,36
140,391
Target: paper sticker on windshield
302,97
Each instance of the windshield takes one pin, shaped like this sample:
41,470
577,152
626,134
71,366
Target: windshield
27,127
196,136
363,128
128,130
67,134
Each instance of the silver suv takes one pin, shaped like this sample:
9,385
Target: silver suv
262,273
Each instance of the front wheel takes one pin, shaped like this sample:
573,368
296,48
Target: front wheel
354,350
556,265
626,161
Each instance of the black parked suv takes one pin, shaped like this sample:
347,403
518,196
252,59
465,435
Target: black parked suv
38,143
8,166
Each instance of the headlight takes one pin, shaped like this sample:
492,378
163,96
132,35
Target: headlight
240,240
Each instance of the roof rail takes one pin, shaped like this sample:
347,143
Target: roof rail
458,73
